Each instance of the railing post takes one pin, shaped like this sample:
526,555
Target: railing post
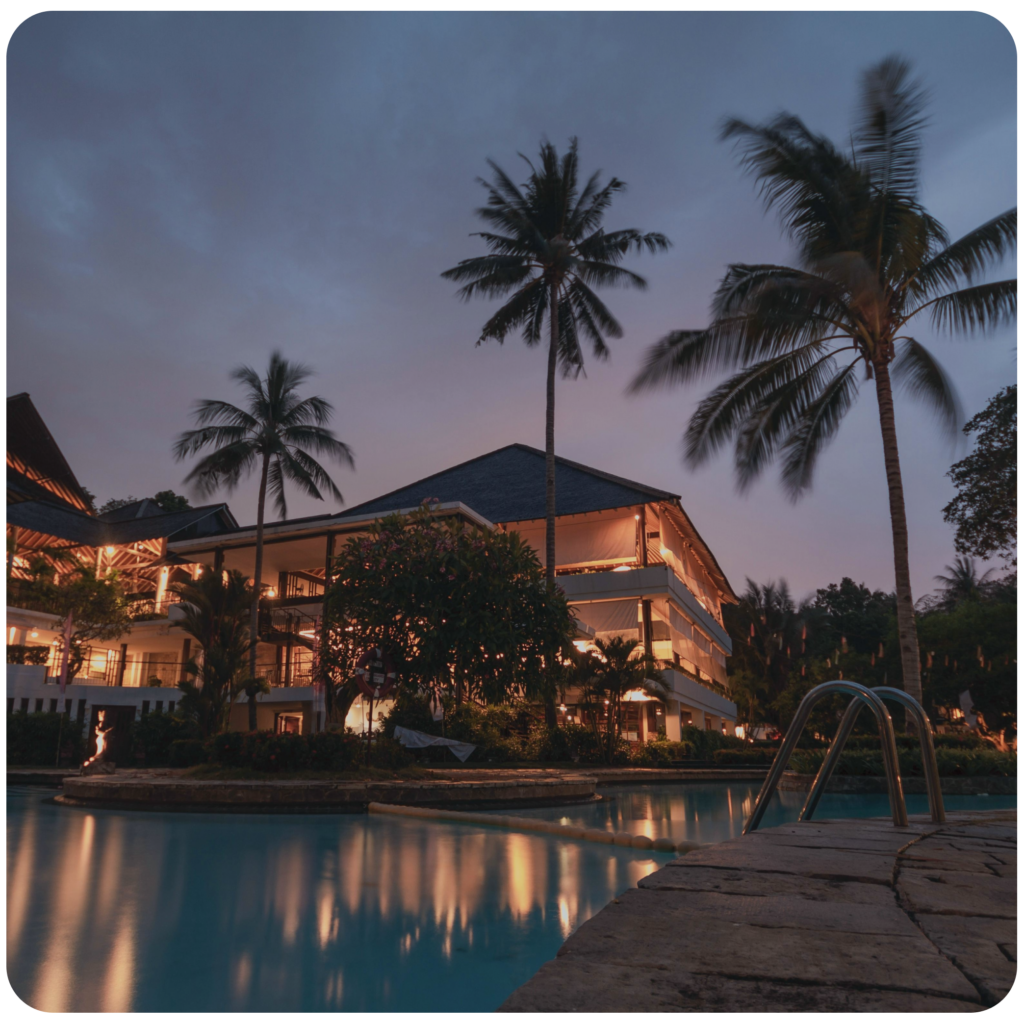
889,756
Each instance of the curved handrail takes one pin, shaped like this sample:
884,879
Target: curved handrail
928,762
796,727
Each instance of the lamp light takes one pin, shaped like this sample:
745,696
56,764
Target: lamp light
110,549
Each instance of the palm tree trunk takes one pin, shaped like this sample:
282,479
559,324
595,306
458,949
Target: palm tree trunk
254,618
549,470
910,657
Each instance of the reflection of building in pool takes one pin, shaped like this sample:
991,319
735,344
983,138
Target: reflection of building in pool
628,557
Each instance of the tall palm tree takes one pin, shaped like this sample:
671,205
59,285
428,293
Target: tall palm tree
548,251
872,263
274,434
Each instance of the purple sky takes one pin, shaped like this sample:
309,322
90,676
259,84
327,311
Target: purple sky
187,192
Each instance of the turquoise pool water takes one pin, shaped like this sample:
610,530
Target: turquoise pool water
133,910
711,812
114,910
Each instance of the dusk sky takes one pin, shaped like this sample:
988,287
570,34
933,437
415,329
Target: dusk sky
187,192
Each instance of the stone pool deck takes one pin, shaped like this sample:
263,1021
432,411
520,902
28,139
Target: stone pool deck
838,915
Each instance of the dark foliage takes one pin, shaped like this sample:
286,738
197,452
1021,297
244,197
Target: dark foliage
32,739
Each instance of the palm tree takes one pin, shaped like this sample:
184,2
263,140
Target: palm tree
962,584
548,250
619,666
275,434
214,609
872,260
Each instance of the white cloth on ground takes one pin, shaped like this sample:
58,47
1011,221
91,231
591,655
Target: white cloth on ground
414,740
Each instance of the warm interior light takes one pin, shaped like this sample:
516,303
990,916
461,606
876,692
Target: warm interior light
34,633
110,549
637,517
622,568
271,592
561,707
664,551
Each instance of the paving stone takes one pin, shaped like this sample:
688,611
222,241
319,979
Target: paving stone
642,931
984,948
569,984
794,860
744,882
957,892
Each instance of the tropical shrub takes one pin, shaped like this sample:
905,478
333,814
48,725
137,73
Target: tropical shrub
659,753
389,754
286,752
32,739
184,753
153,735
751,756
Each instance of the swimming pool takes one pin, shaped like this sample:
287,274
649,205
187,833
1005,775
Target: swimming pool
711,812
134,910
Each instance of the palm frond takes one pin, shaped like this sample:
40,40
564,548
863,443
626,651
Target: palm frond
319,440
191,442
517,313
772,418
816,427
917,373
210,410
222,468
722,412
968,257
887,141
981,308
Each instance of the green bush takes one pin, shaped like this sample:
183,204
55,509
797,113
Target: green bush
389,754
153,734
950,762
185,753
285,752
27,654
956,741
659,753
32,739
750,756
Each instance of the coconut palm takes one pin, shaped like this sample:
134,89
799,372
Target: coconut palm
962,583
548,251
214,611
619,666
274,434
873,264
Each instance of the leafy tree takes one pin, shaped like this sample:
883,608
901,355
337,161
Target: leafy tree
114,504
214,611
98,607
171,502
619,666
973,647
274,435
872,262
766,630
167,500
456,608
984,510
548,250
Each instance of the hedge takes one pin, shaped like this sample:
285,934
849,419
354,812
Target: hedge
32,739
950,762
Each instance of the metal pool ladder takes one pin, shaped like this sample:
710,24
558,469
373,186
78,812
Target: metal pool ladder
873,699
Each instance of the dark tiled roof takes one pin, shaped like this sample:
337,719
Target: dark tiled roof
33,452
138,509
507,485
57,520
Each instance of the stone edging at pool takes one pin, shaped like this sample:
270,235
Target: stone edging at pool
176,793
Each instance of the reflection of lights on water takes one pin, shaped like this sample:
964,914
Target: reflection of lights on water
243,976
563,916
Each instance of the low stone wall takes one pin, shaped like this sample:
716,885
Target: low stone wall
952,785
176,793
